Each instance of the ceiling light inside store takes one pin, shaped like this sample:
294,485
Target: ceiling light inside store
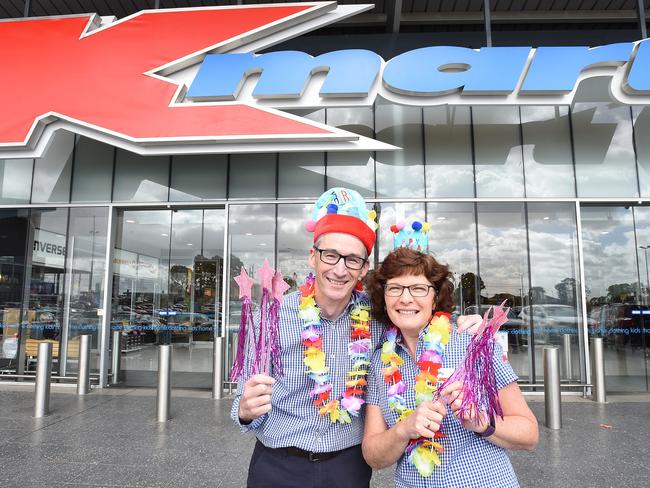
605,232
130,221
441,218
189,244
249,233
262,243
164,235
547,218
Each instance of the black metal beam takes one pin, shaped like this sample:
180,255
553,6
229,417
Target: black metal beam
393,17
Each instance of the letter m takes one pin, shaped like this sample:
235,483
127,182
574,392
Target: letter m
285,74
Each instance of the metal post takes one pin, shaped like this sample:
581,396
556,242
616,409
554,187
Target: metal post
552,398
164,382
116,356
566,356
83,380
217,368
43,372
598,370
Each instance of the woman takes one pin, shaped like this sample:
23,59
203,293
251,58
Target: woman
406,290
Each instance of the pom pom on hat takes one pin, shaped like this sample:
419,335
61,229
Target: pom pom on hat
401,225
310,225
416,225
394,229
332,208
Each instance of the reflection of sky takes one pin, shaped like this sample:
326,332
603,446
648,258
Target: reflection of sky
605,162
52,171
608,240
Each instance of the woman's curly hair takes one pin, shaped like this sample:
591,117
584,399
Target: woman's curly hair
402,262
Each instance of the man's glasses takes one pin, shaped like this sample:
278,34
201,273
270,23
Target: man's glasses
395,290
331,257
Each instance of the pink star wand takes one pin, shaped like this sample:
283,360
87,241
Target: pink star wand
262,347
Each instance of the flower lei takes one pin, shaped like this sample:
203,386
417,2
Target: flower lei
422,452
358,349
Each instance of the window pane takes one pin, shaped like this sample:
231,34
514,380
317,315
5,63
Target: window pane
141,283
503,265
294,243
15,180
641,117
354,170
548,160
52,171
602,132
497,147
252,240
556,309
93,171
252,175
140,178
198,177
13,235
43,312
301,174
612,284
452,240
448,141
85,278
400,173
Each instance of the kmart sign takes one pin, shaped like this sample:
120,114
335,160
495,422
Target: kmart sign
427,76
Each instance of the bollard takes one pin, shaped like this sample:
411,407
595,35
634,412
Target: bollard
552,398
598,370
566,356
83,378
164,382
217,368
116,355
43,372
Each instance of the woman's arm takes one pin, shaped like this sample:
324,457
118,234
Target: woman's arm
382,446
518,428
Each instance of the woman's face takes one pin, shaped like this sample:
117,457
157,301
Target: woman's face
410,313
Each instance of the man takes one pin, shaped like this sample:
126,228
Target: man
307,422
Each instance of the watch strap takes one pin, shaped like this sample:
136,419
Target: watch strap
490,430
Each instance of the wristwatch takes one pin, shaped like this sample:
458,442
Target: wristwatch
490,430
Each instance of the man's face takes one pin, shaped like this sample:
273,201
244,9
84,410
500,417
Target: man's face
335,282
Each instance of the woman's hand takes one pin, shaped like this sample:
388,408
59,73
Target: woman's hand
474,421
425,421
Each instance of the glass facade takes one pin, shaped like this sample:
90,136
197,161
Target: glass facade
541,207
505,190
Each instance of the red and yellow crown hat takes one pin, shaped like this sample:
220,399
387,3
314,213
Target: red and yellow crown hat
343,210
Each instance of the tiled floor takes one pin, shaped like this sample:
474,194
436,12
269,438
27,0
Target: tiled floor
110,438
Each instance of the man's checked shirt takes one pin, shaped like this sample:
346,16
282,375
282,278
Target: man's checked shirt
294,420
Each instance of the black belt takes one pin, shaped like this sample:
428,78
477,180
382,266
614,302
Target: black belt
312,456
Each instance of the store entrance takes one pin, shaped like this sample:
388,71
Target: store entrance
167,282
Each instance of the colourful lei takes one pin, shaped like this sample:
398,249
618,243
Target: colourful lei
358,350
422,453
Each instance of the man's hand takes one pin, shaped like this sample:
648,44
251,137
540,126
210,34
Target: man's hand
256,399
469,323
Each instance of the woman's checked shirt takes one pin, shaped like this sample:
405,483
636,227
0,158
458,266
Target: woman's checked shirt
468,460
